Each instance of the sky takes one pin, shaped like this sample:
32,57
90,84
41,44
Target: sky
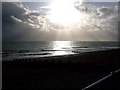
53,0
60,20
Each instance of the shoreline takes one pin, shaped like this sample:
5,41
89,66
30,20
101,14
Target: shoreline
73,58
49,54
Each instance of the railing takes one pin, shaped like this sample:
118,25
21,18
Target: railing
102,80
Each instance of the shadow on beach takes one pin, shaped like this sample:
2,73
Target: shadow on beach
74,71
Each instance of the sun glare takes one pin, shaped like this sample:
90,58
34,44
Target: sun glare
64,13
60,47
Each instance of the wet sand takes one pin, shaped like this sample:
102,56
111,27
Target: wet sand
73,71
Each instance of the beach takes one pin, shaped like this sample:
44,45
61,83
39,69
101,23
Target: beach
60,44
68,71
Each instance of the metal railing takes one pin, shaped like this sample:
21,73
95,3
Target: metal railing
101,80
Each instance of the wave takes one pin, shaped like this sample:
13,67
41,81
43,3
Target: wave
52,50
79,47
23,51
14,51
31,54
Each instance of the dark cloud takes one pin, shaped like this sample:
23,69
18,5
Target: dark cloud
105,11
19,23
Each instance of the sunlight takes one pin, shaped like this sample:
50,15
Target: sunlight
64,13
80,1
61,47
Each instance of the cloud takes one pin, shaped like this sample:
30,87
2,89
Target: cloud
98,23
16,19
100,18
105,11
20,13
53,0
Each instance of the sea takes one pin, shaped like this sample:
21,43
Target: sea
38,49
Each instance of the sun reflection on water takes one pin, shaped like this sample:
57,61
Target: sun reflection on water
62,47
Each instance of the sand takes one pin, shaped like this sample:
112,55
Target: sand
73,71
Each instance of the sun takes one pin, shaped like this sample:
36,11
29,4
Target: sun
64,13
